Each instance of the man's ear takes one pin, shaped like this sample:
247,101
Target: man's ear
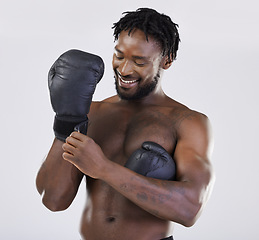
166,62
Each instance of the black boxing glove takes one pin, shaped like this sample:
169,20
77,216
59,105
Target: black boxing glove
152,160
72,81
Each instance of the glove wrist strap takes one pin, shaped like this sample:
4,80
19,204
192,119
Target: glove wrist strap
63,128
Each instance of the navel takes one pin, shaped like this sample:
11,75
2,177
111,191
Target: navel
110,219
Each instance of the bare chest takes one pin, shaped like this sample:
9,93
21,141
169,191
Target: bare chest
121,132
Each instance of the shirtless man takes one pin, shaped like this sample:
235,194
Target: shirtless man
123,204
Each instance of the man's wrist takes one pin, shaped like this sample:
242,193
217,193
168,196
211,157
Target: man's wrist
107,169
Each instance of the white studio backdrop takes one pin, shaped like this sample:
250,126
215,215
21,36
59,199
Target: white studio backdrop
216,73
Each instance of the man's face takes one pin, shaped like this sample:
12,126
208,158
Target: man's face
136,64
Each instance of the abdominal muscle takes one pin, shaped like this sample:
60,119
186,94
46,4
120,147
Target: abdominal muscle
109,215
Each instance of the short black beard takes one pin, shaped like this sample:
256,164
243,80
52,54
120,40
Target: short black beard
141,91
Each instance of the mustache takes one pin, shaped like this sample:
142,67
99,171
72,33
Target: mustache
124,77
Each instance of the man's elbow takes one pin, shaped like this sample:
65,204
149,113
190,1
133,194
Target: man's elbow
55,200
193,210
190,221
190,217
197,201
54,203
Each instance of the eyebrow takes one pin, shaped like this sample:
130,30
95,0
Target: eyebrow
135,57
118,50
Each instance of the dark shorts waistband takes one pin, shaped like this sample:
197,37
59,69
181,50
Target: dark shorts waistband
168,238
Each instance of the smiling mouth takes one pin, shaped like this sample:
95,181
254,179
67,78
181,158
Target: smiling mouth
127,82
123,80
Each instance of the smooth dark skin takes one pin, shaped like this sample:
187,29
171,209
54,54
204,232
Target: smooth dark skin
122,204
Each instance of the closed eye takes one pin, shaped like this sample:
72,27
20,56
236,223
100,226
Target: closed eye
140,61
118,54
140,64
118,57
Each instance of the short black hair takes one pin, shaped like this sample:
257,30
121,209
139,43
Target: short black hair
152,23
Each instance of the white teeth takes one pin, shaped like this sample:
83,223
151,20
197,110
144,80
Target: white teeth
128,82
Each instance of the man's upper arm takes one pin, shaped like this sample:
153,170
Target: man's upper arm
192,155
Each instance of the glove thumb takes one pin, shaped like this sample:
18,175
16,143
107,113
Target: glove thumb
152,146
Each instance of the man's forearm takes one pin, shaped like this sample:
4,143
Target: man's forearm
57,179
170,200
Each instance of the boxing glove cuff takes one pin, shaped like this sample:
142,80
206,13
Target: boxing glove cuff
63,128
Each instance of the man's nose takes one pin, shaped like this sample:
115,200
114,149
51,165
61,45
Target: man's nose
126,68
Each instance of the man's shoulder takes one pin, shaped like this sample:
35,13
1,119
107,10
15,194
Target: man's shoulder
183,115
112,99
98,105
192,124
